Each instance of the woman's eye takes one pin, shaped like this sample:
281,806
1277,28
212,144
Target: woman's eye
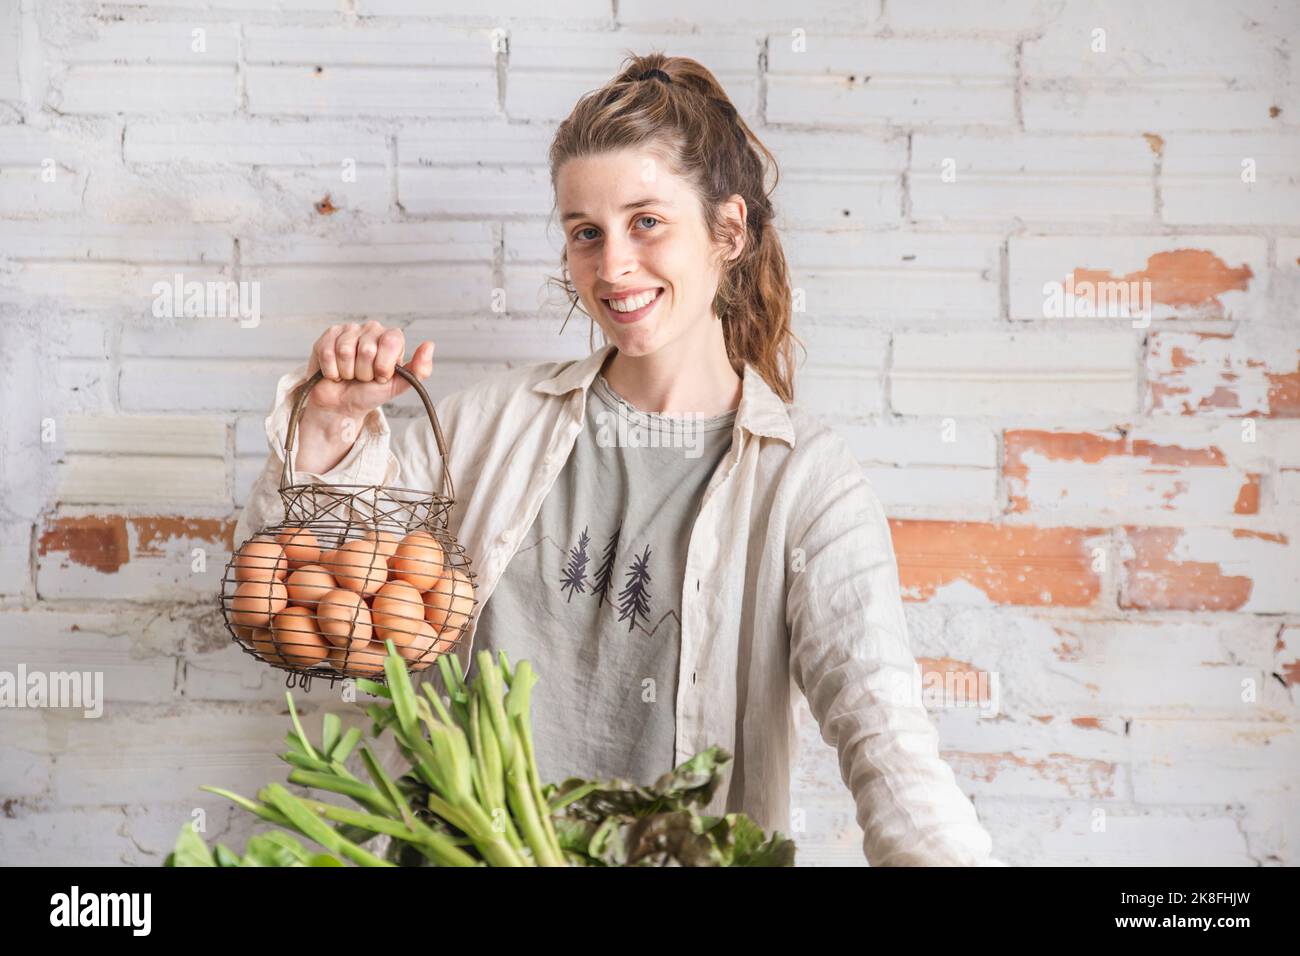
644,218
579,233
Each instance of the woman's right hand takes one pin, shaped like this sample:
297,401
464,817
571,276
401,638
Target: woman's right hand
359,362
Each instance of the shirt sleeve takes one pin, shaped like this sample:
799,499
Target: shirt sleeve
850,656
370,461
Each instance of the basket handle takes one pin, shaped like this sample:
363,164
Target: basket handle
286,473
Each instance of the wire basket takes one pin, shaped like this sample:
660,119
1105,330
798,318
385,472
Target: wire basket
350,567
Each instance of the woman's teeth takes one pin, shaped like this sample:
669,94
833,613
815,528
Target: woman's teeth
632,303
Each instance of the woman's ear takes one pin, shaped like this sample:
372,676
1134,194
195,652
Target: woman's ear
735,212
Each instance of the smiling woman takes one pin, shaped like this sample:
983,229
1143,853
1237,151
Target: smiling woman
670,592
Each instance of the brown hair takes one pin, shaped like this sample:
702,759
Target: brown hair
674,106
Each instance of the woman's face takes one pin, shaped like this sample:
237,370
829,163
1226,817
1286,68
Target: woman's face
631,226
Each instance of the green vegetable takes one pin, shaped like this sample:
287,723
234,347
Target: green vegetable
473,797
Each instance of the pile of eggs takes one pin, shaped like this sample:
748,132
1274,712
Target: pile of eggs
298,604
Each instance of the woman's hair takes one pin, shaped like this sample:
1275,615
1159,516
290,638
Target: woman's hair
674,107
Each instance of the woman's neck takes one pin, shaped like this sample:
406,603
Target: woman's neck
692,374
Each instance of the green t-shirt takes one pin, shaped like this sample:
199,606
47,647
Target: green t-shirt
592,596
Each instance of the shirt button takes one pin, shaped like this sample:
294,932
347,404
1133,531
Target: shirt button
505,537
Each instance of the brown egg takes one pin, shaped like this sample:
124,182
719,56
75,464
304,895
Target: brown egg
344,618
397,609
265,646
423,643
359,567
418,560
256,602
309,584
300,643
388,541
300,547
448,605
260,561
245,634
365,661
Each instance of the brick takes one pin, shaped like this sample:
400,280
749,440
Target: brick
254,142
334,72
936,16
1031,177
896,277
103,89
966,562
1201,762
914,471
91,265
1109,473
837,180
11,28
1174,277
99,644
131,558
15,558
1031,376
595,11
391,269
1201,179
42,172
1223,375
551,69
843,379
121,760
1068,834
1168,68
843,80
24,765
1062,674
1209,569
774,13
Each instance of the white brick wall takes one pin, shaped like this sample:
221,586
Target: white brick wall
940,164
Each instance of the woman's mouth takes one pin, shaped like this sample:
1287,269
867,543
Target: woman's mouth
637,314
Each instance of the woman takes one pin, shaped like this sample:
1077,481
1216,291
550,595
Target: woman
666,538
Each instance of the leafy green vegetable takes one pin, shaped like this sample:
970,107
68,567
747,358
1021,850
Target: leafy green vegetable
472,796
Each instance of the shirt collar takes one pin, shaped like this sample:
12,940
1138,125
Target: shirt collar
761,411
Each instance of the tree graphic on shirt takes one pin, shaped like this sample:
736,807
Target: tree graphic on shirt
634,599
605,576
575,575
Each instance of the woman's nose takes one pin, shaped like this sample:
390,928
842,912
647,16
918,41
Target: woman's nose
617,258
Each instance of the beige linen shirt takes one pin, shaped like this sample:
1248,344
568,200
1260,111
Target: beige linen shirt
802,591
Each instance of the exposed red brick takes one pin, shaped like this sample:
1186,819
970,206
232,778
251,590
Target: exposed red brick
1248,498
93,541
1156,142
947,665
1266,535
154,531
1156,581
1091,723
1150,460
1192,373
1010,564
1181,278
103,542
1079,776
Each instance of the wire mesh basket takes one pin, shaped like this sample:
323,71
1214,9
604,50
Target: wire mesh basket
350,567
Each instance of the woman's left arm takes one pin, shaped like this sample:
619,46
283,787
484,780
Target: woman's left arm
850,657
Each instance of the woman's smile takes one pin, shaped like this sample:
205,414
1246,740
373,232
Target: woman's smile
631,315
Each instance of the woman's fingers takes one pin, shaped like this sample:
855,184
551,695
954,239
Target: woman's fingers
367,349
345,351
322,356
391,348
421,366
